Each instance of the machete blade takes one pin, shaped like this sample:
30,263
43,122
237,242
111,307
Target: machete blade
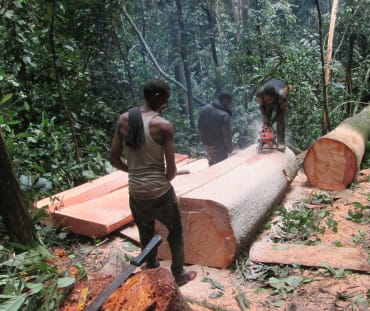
124,275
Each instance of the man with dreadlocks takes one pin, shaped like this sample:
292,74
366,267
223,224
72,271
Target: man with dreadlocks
149,140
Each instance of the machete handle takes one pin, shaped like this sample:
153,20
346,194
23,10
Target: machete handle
154,242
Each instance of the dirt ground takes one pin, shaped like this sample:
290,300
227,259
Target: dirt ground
318,288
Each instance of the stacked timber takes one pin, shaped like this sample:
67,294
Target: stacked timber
332,162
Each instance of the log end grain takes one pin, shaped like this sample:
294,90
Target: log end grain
208,236
330,164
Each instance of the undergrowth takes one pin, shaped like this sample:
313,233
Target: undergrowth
34,278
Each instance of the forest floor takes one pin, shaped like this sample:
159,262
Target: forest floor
325,218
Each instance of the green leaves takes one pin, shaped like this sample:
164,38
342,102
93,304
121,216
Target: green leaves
29,282
6,98
336,273
286,285
219,292
66,282
360,214
13,303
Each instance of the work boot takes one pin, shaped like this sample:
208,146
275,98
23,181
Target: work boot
151,265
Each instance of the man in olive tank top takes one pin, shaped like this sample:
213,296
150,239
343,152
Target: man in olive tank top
149,140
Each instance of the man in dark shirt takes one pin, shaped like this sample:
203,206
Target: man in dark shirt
214,128
273,103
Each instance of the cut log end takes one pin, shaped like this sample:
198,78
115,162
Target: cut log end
153,289
330,164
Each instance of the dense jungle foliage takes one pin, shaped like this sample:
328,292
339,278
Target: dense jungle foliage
69,68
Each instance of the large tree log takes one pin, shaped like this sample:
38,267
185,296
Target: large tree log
331,162
223,206
153,289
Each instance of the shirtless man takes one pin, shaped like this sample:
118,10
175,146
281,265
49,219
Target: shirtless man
273,104
149,140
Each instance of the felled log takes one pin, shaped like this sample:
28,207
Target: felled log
223,206
332,161
153,289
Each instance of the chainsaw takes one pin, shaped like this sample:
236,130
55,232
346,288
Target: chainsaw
267,139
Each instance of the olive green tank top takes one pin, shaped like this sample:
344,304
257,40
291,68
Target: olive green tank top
146,166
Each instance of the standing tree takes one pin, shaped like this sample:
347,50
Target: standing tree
13,208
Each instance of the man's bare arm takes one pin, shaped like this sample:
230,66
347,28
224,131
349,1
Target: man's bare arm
169,150
117,148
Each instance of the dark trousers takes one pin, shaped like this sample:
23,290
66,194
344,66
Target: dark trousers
215,154
267,112
166,210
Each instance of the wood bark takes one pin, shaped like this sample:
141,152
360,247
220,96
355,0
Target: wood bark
351,45
13,208
212,29
185,60
224,205
325,126
153,289
332,162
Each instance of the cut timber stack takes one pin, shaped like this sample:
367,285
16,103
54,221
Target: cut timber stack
222,207
153,289
332,162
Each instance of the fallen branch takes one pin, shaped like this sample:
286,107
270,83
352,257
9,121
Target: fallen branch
152,57
206,304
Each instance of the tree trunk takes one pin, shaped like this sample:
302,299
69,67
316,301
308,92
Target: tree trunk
13,208
126,61
184,56
352,39
152,289
154,60
179,65
222,206
58,79
332,162
325,117
208,9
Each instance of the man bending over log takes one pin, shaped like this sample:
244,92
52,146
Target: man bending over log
149,140
273,97
214,128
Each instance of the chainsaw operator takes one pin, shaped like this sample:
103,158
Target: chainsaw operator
149,140
273,103
214,128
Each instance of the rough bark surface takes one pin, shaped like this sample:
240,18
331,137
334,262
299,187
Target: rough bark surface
332,161
153,289
231,200
13,208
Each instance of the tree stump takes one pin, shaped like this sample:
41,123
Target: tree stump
148,290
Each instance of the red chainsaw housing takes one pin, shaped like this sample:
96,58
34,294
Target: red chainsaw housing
266,137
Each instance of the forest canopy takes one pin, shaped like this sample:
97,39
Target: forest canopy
69,68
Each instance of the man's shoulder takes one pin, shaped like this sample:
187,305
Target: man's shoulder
122,120
162,123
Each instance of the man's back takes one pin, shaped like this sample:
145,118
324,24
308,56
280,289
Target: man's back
215,131
211,121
